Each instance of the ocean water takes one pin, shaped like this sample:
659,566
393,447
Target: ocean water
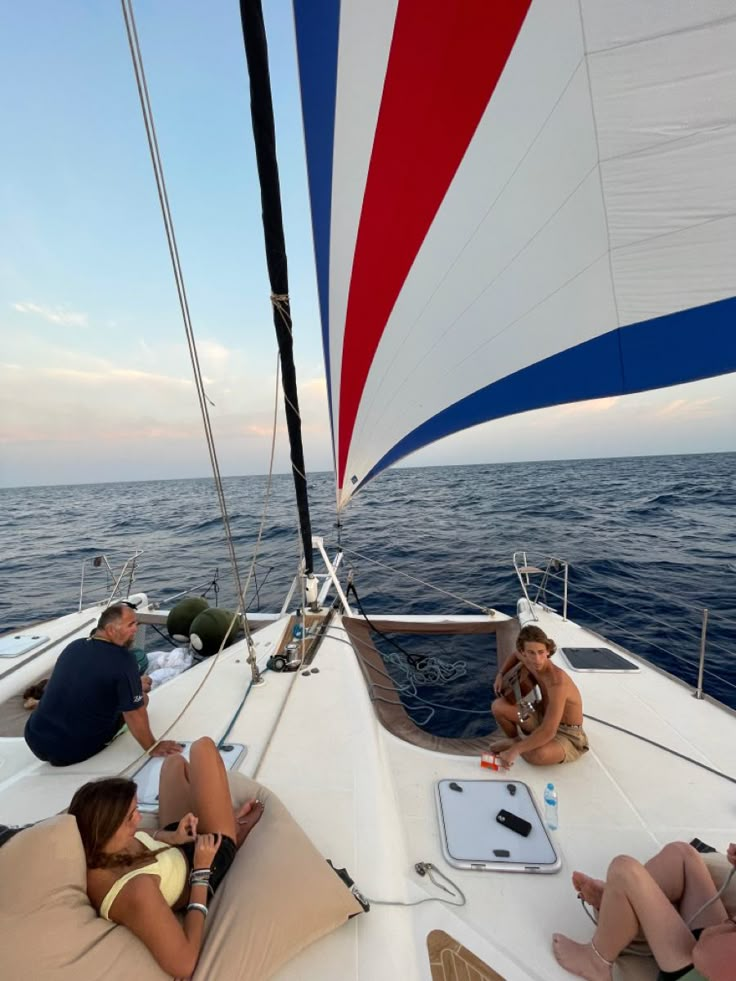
651,542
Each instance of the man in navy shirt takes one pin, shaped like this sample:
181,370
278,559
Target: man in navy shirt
94,689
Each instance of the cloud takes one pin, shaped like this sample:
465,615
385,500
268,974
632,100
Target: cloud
123,375
689,408
55,315
586,408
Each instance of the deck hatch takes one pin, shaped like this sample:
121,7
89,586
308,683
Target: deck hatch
597,659
17,644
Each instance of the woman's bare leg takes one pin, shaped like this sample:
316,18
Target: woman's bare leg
631,900
174,791
177,795
210,789
588,888
680,873
683,877
211,794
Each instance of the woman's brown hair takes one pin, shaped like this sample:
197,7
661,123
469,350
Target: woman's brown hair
100,808
535,635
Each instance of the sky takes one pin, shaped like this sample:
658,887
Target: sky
95,378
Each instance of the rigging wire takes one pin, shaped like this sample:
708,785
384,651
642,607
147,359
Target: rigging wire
400,572
149,124
633,632
667,749
593,718
267,495
418,661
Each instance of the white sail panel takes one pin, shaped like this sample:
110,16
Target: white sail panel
664,89
661,272
492,278
531,204
625,22
365,39
529,154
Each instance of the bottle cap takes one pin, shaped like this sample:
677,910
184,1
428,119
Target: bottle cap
550,786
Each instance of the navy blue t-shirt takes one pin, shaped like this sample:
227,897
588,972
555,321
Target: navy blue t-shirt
92,683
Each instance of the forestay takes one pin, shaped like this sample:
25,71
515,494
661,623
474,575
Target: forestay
514,205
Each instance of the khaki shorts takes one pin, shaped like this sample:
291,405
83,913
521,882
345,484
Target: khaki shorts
573,740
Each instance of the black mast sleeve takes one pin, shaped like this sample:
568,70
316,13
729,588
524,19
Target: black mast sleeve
261,110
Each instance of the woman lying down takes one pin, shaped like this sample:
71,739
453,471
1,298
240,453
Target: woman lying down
137,879
673,902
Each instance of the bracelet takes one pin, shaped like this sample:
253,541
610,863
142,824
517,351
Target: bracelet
199,876
200,907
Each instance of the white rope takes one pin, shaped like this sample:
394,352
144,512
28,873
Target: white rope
145,101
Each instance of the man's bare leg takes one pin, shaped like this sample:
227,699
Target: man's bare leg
551,752
506,716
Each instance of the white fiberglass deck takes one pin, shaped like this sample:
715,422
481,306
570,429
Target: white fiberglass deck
367,799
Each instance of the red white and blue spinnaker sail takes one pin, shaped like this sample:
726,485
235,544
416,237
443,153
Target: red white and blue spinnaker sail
515,204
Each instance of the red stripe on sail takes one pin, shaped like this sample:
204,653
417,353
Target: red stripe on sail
444,64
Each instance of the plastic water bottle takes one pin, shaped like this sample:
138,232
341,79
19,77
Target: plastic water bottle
298,631
551,813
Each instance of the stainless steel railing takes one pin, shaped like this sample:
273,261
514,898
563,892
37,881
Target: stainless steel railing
115,591
537,581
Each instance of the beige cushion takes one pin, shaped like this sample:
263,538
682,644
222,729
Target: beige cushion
48,928
719,868
277,898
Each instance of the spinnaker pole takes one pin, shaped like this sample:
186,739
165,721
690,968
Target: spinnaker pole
261,110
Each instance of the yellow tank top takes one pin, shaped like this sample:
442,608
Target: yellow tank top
170,866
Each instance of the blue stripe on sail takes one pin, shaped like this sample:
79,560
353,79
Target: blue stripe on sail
317,29
680,347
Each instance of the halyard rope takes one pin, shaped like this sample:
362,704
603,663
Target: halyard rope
147,111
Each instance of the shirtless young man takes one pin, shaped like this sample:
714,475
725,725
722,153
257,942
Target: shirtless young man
555,727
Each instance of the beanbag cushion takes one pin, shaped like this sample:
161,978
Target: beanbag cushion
279,896
48,928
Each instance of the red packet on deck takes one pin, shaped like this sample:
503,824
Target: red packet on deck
490,761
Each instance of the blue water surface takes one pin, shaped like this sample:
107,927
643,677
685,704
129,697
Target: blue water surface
651,542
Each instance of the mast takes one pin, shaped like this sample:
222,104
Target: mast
261,110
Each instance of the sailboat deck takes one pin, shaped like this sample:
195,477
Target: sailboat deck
374,811
366,798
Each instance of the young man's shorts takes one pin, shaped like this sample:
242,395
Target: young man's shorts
573,740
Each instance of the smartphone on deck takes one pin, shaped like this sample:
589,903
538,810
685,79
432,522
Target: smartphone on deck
514,823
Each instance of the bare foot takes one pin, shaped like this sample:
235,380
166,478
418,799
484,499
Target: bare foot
591,890
579,959
246,818
497,744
